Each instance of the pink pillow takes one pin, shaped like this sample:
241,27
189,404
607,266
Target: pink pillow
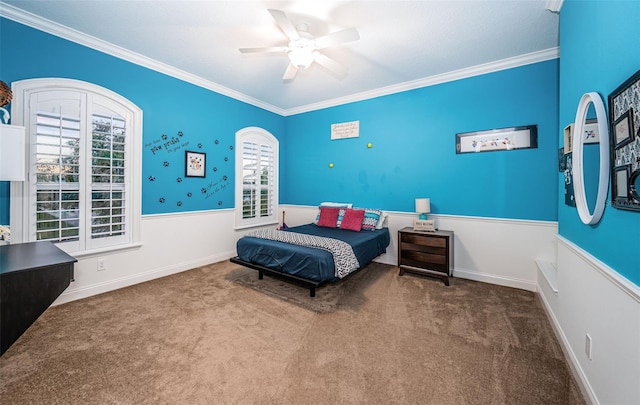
328,217
352,220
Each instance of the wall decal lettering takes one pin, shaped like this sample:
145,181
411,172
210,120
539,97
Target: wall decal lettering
215,187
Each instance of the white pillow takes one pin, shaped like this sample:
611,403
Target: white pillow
335,204
383,222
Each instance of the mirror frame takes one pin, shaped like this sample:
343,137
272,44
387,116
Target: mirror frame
586,216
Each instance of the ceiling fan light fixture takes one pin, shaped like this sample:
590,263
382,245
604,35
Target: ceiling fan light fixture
302,58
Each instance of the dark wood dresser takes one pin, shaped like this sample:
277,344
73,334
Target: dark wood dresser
427,253
32,276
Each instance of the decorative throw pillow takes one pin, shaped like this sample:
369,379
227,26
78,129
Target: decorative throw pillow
371,218
352,220
383,221
333,205
328,217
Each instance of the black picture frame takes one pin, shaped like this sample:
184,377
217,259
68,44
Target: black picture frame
624,141
501,139
195,164
622,129
620,187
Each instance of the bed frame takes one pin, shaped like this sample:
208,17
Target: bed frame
276,273
305,282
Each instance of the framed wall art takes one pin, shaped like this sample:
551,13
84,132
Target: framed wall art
624,126
195,165
502,139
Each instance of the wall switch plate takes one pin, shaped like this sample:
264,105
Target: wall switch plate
587,346
101,264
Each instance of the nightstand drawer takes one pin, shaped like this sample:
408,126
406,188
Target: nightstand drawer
442,267
424,240
419,257
435,250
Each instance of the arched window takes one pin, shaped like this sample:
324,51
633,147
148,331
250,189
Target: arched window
83,158
256,178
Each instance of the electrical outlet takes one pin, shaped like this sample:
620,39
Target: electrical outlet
587,346
101,264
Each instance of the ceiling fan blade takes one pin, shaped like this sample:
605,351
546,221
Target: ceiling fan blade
338,37
267,49
290,73
331,64
285,24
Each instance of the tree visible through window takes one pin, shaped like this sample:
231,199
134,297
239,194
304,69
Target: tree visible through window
81,140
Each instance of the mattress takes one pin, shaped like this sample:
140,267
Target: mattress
312,263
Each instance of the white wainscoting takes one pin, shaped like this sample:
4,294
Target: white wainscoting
171,243
491,250
593,299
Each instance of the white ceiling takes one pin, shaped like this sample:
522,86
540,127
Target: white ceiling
403,44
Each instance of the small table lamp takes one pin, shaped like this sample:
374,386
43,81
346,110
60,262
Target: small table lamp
423,207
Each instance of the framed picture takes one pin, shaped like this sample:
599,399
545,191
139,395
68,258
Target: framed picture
195,164
624,144
512,138
623,129
591,134
621,185
568,138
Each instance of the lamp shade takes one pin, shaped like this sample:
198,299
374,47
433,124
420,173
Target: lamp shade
423,205
12,153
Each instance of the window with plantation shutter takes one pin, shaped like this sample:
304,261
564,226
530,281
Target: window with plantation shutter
82,191
256,178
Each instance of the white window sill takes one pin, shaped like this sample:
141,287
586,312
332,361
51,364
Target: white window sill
83,254
262,225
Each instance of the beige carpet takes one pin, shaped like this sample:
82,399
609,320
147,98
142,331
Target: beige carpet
211,336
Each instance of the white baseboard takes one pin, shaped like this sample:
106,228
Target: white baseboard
72,294
577,371
528,285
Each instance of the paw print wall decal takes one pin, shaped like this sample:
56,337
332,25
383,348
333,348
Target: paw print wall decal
164,137
161,200
179,203
179,179
180,133
189,194
165,164
216,141
152,178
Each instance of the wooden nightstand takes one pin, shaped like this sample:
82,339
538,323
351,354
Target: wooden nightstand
428,253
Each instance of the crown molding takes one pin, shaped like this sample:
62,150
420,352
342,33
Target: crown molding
554,6
59,30
503,64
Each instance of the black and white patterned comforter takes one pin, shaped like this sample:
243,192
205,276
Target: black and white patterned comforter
344,258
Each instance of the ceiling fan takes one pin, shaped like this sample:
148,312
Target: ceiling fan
303,48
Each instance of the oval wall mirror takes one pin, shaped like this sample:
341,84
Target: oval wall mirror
594,102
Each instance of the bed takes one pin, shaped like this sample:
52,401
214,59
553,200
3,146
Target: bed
311,254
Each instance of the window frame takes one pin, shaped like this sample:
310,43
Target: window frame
21,213
262,138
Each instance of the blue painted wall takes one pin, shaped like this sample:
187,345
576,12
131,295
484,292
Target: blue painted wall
600,43
413,155
178,116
